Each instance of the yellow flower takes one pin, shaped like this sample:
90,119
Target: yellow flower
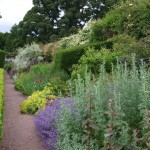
37,101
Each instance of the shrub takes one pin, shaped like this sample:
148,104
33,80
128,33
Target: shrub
27,54
37,101
39,76
1,100
36,79
128,45
64,59
82,37
2,58
124,18
59,86
93,59
9,66
50,49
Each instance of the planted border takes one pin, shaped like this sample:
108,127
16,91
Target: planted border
1,100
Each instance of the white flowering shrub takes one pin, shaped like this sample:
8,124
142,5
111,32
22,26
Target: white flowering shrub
26,54
81,37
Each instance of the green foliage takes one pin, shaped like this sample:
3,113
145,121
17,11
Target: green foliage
38,77
1,100
37,101
3,37
48,55
14,40
59,86
49,20
64,59
127,45
114,105
9,66
2,58
93,59
128,17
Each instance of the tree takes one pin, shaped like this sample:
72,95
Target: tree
14,40
49,20
3,37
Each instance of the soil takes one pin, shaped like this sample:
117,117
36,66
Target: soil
19,132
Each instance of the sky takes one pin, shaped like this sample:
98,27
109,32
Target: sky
12,12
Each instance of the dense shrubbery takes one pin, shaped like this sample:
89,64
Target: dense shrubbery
26,55
37,100
128,17
92,59
108,113
64,59
9,66
82,37
2,58
38,77
1,100
127,45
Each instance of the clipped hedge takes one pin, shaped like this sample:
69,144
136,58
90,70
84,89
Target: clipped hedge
1,100
65,58
2,58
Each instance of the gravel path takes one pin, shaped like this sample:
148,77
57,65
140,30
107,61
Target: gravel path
19,132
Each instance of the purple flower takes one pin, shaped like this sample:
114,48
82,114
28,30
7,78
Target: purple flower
46,121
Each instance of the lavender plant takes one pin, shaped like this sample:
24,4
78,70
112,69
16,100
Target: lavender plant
46,122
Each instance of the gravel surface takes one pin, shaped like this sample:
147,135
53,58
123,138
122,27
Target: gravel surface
19,132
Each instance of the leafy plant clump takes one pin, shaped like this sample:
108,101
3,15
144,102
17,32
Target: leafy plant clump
38,77
37,101
27,54
93,59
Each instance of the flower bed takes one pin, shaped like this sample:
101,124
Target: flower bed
109,112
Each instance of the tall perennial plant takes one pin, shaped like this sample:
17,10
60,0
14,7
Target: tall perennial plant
109,112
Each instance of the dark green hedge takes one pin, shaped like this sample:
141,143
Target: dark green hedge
2,58
65,58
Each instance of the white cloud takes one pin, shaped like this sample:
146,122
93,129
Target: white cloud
12,12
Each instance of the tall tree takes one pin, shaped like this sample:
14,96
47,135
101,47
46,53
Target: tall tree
53,19
14,40
3,37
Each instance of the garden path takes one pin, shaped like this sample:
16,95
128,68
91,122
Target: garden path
19,132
